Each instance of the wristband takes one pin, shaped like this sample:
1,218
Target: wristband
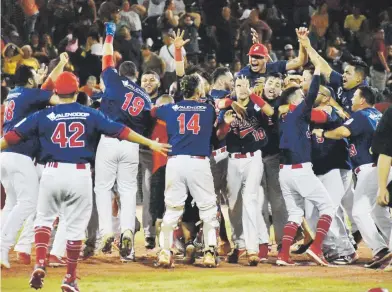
177,55
109,39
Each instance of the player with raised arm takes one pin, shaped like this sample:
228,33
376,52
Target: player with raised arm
67,134
117,161
368,215
19,175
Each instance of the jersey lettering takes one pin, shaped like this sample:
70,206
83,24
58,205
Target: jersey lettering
60,136
352,150
9,111
137,104
258,134
192,125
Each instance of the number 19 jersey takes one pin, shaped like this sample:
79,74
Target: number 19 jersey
190,126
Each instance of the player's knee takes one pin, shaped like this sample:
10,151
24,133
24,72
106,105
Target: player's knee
295,216
171,216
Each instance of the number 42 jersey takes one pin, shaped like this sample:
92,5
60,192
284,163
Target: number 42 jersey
189,125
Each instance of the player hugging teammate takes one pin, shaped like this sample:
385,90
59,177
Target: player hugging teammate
251,143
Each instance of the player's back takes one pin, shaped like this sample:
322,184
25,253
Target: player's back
69,132
189,127
125,102
20,103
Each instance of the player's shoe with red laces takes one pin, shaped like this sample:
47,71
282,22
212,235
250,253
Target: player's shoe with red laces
55,261
285,261
263,253
69,285
346,260
190,254
127,251
235,255
165,259
209,259
23,258
253,259
37,277
317,256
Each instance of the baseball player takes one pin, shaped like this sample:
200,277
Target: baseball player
245,138
67,134
270,182
19,175
368,215
189,127
150,82
117,161
260,67
328,158
296,177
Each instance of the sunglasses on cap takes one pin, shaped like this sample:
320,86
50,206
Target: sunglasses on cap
257,57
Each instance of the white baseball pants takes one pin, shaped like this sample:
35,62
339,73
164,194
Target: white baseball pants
245,204
70,186
348,198
116,161
20,182
183,173
300,183
219,161
368,215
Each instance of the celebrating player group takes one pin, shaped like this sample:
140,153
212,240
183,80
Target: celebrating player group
296,147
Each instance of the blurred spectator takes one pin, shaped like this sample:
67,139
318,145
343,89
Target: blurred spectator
63,15
386,24
227,34
263,30
301,12
48,47
273,16
31,12
237,66
91,86
152,62
91,64
210,63
289,53
318,27
11,57
129,47
389,57
271,53
37,48
106,9
155,8
190,28
179,7
353,22
363,42
168,20
379,70
28,58
167,55
130,15
87,11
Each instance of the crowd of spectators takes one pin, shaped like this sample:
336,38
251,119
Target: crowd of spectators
34,32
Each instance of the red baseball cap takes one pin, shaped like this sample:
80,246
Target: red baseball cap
66,83
258,50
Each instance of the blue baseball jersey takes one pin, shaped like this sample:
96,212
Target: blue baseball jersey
271,67
295,136
343,96
125,102
271,126
329,154
217,94
20,103
68,132
362,126
189,127
248,134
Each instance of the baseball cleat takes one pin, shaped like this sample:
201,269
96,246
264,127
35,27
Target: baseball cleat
317,256
69,286
235,255
382,256
165,259
107,243
346,260
263,253
190,254
285,261
37,277
127,251
209,260
149,242
23,258
224,248
253,259
55,261
87,252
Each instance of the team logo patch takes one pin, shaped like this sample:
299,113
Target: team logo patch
348,122
189,108
67,116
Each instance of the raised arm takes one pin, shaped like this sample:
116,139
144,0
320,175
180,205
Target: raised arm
179,42
302,58
313,90
107,60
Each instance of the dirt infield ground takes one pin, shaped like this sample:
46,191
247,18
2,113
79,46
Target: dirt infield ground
106,273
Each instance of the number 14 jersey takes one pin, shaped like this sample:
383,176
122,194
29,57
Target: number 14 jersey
190,126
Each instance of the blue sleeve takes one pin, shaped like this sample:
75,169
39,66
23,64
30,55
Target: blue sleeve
336,79
162,111
28,127
107,126
110,77
355,124
312,93
44,96
276,67
221,116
